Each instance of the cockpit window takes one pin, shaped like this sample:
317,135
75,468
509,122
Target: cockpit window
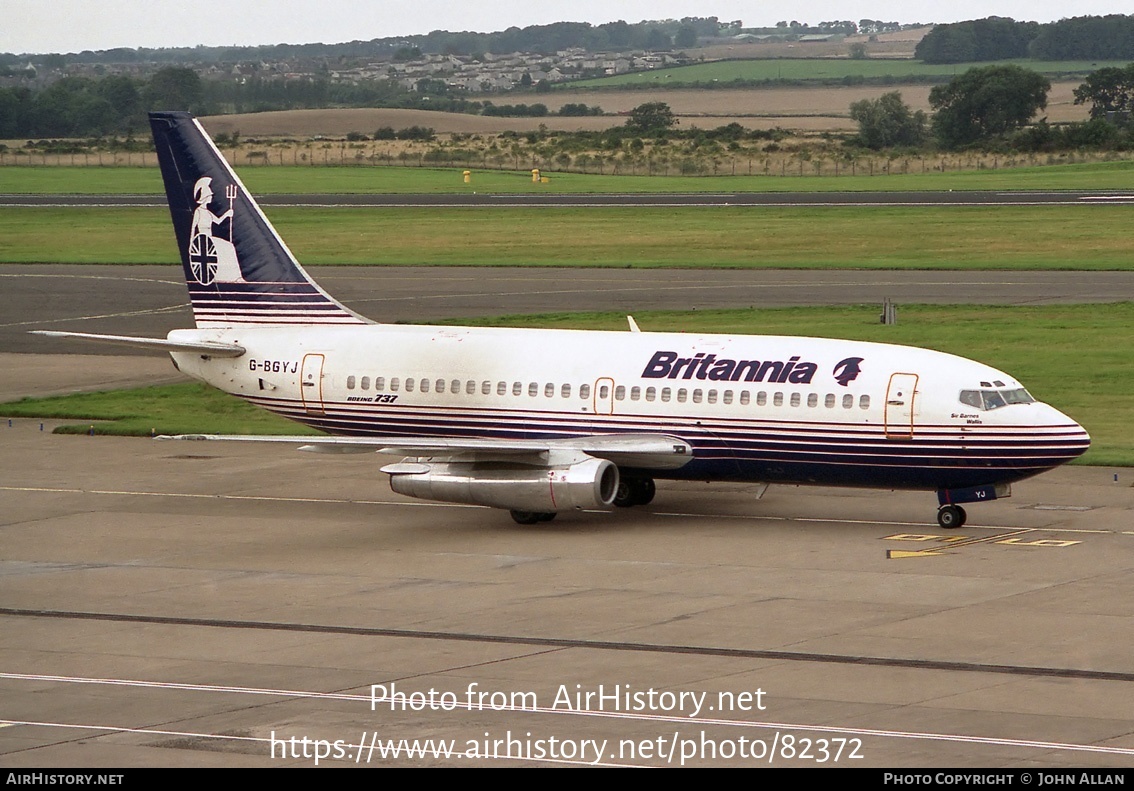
994,399
1019,396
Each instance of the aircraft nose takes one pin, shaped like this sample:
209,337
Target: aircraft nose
1076,440
1084,437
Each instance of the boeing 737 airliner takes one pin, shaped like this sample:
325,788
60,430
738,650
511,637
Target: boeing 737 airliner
543,421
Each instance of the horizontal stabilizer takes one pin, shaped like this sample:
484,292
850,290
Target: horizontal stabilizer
211,348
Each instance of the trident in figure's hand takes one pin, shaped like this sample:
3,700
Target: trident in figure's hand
230,192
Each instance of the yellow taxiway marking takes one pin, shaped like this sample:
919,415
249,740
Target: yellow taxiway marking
953,543
898,554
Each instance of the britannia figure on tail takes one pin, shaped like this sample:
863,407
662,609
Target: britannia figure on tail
212,258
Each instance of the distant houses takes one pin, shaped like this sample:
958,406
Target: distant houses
505,72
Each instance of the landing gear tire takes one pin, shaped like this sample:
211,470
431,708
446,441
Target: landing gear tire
634,491
531,517
624,494
646,490
950,517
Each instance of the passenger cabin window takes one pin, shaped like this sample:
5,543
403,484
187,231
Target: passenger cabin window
829,401
795,399
549,390
635,394
409,385
379,383
470,387
533,389
848,401
394,384
761,398
712,396
813,399
620,393
604,391
651,393
864,402
681,395
697,395
365,383
584,391
501,388
565,391
350,383
517,388
778,399
665,394
424,385
727,397
745,397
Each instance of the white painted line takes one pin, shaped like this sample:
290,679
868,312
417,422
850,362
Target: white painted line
628,716
884,523
457,751
149,312
327,500
418,504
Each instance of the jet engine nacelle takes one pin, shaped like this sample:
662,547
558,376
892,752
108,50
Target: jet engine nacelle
590,483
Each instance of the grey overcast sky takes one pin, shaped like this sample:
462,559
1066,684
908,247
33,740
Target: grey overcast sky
36,26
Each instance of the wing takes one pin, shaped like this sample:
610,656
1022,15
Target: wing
640,451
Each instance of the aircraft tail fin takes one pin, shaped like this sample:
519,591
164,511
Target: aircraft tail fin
238,269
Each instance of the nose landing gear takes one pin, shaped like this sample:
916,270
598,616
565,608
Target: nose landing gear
950,517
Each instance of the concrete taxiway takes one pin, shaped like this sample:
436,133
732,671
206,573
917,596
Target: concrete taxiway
192,604
170,604
151,300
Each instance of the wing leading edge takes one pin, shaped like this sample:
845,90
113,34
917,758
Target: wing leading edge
641,451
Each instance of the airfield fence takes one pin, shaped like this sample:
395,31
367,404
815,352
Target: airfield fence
779,165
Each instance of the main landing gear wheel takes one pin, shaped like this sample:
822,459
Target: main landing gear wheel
634,491
531,517
951,517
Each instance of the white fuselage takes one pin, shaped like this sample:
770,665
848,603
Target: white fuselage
767,408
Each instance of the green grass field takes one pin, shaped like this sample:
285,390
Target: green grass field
188,408
825,70
1075,357
262,180
840,237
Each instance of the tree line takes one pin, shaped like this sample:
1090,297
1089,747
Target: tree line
992,107
608,37
81,107
999,38
984,107
117,105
